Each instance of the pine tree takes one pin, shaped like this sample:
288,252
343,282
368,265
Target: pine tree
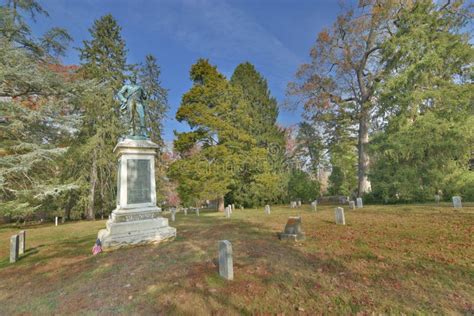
15,31
157,97
156,106
103,61
263,107
262,182
36,124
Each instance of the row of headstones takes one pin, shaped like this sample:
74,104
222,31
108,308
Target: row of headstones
229,209
185,211
226,268
17,246
295,204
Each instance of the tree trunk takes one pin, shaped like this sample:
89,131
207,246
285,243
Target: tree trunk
220,204
363,163
93,183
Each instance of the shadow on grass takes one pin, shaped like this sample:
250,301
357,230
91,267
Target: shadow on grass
187,266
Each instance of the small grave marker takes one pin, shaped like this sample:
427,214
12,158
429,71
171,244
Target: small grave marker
267,209
314,205
340,219
457,202
173,215
352,205
14,248
197,211
226,266
56,221
437,198
22,242
359,202
185,212
292,230
227,211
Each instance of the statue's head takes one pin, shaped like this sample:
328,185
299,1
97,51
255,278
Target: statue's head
133,78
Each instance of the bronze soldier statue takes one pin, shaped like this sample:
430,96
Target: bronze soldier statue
132,97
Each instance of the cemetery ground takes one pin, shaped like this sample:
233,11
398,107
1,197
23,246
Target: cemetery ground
386,259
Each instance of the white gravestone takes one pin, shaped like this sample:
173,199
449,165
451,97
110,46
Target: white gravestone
185,212
267,209
173,215
457,202
352,205
227,211
233,207
56,221
14,247
136,218
226,266
22,242
293,204
197,211
340,219
314,205
359,202
437,198
299,203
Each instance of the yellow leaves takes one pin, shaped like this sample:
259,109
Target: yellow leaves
324,36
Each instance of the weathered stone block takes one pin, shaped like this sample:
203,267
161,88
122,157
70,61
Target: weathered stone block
226,265
457,202
352,205
292,230
340,218
359,202
22,242
267,209
14,248
227,211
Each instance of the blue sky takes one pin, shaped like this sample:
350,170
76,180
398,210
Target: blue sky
274,35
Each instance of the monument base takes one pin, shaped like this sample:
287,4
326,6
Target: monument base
136,232
136,219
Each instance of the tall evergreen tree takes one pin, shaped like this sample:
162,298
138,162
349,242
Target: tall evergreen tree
211,147
263,107
103,60
262,126
157,97
16,32
155,111
104,56
427,142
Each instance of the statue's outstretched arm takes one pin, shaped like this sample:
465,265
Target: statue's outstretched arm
120,94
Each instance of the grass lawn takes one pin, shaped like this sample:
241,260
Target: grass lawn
407,259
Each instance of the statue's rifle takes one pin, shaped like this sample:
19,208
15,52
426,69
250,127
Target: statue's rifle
123,106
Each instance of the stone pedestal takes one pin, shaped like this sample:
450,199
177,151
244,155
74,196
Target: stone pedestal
136,219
